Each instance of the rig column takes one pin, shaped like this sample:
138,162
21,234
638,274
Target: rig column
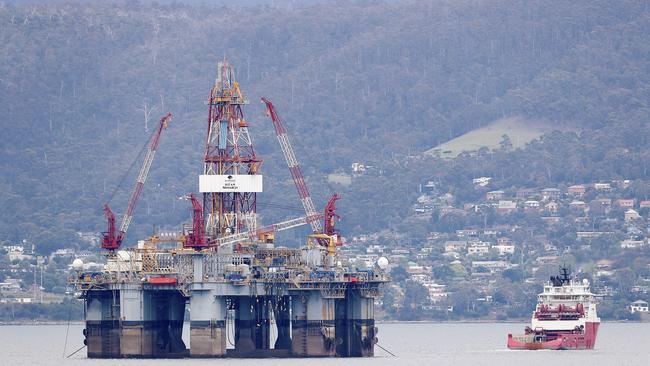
356,325
135,336
207,324
207,316
103,324
282,315
244,325
313,325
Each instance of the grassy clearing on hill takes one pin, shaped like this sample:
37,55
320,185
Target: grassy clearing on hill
520,131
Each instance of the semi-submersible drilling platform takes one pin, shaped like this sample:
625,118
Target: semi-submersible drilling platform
246,297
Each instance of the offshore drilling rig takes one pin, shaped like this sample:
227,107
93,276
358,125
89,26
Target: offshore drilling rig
246,296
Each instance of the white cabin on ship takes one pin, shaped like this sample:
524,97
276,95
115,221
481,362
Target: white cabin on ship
564,305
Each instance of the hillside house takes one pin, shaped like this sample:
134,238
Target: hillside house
550,259
525,193
16,252
466,233
577,190
490,232
505,249
446,210
478,248
505,207
578,206
493,266
10,285
531,206
591,234
639,306
481,182
430,184
550,249
551,219
632,244
550,194
551,207
375,249
89,237
625,202
367,260
436,291
605,187
455,246
631,215
644,204
16,300
63,253
425,199
504,241
495,195
418,270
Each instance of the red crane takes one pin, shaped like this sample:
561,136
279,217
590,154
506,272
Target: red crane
111,239
294,168
330,219
196,237
290,157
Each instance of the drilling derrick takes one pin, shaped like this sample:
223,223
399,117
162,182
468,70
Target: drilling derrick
230,181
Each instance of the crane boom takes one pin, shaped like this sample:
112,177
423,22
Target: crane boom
110,240
284,225
294,167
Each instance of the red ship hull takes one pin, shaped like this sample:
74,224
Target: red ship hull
559,340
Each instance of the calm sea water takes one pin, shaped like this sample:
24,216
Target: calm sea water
414,344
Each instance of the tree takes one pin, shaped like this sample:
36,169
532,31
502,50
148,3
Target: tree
399,274
443,273
505,143
415,296
513,274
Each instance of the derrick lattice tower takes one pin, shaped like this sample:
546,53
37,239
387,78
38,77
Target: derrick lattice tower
230,178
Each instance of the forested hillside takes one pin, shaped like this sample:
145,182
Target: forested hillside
355,82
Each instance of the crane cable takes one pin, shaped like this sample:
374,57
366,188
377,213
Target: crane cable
123,178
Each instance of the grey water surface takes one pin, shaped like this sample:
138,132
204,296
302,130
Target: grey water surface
421,344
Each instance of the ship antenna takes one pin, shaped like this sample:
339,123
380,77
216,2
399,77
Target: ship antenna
565,272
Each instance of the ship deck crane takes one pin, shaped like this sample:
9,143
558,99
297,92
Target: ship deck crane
111,240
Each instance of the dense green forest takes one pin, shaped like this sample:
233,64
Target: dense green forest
370,82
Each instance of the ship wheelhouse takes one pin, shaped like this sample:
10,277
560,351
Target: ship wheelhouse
565,304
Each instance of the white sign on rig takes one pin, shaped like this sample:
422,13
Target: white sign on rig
230,183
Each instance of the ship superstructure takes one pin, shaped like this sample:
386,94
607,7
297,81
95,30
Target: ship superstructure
246,296
565,317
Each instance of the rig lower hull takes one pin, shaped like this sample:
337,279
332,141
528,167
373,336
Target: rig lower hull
127,321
